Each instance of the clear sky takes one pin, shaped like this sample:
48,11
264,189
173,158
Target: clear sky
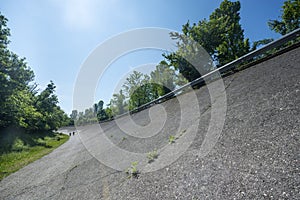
56,36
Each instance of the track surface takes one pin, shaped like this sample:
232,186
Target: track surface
256,156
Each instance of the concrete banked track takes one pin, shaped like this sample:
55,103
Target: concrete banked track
256,156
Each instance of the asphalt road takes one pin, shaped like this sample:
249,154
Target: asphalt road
256,156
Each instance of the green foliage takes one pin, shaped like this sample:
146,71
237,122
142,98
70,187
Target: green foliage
20,104
109,113
4,32
163,78
132,171
91,115
138,89
118,104
225,22
172,139
19,145
87,117
101,114
221,36
152,155
261,42
74,115
290,18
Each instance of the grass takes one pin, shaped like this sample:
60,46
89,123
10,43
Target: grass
172,139
152,156
132,171
18,149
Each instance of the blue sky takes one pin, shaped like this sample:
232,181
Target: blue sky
56,36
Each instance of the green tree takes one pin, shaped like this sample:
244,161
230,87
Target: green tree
139,89
4,32
221,36
118,104
101,114
22,112
95,108
260,42
225,21
290,18
109,112
74,115
163,79
45,103
15,77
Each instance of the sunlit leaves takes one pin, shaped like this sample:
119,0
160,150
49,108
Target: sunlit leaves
290,18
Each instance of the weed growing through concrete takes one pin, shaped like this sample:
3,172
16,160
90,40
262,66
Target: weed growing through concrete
171,139
132,171
152,155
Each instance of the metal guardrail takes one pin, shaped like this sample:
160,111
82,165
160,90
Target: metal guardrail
227,67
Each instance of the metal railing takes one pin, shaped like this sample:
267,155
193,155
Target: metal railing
227,67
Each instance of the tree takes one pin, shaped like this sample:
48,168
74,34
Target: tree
225,21
109,113
101,114
260,42
188,58
15,77
74,115
21,105
95,108
139,89
46,104
4,32
163,79
22,112
290,18
118,103
221,36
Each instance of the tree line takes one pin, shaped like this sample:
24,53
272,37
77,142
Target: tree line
22,104
221,35
137,90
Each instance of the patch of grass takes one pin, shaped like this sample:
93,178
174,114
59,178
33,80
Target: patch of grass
132,171
171,139
152,156
18,149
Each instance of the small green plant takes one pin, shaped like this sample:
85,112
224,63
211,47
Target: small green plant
132,171
171,139
19,145
152,155
124,138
